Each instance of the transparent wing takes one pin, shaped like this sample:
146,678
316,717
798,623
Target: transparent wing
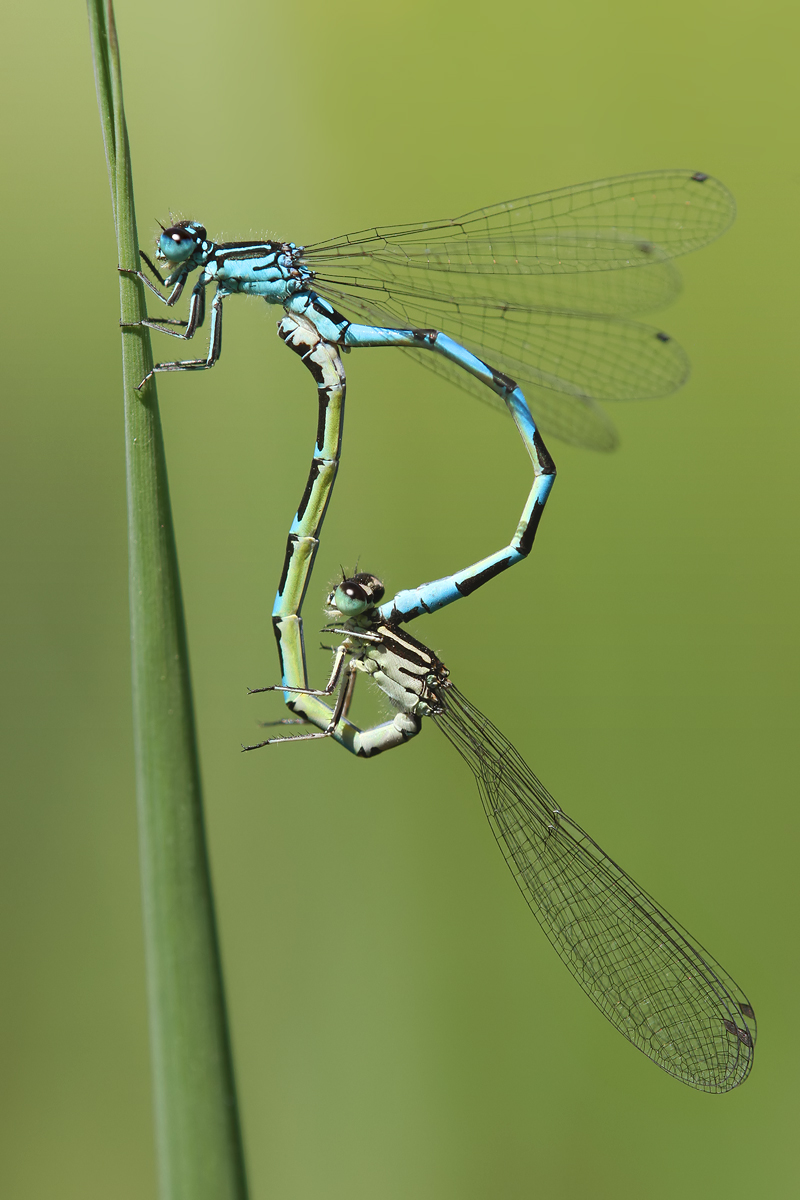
564,362
638,220
600,285
539,288
643,970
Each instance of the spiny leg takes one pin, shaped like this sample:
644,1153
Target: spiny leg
343,698
328,690
196,316
173,296
197,312
364,743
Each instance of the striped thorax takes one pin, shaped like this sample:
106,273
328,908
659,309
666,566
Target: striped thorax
405,670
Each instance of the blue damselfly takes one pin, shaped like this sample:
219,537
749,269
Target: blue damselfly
541,287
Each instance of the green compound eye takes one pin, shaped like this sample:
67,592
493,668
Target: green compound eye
354,595
350,599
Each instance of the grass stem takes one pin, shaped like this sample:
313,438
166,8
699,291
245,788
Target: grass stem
199,1144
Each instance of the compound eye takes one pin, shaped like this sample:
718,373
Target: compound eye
177,243
351,598
358,593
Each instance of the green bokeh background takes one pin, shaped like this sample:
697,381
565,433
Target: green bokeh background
401,1027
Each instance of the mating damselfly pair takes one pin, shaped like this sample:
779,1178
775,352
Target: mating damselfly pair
536,292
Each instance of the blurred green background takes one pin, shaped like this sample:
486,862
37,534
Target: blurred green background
401,1027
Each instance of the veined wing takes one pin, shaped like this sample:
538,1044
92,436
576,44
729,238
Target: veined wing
595,289
536,288
643,970
632,221
563,361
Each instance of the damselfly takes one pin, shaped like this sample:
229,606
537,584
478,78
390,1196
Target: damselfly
541,287
652,980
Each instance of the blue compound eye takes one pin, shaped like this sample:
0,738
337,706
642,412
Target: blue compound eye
179,241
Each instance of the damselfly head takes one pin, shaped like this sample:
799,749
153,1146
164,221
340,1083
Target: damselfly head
355,595
180,241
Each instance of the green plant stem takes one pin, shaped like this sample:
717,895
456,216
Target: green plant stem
199,1143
